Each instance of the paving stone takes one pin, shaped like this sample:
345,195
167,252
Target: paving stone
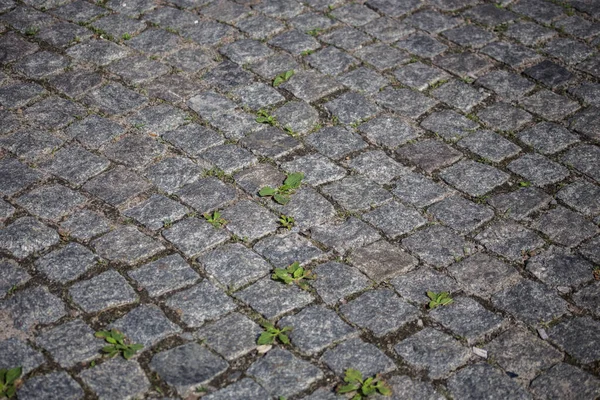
13,47
335,142
591,250
530,302
17,353
193,236
469,36
461,214
395,219
31,145
259,176
78,11
104,291
126,244
584,158
520,203
246,51
23,18
146,150
99,52
52,385
346,38
549,74
311,86
10,122
84,225
414,285
490,146
538,169
41,64
337,281
298,116
521,353
588,298
13,276
357,193
27,236
207,33
94,131
568,50
67,263
460,95
504,117
420,76
482,275
432,21
394,9
51,202
510,240
247,219
145,324
578,337
429,154
380,311
232,336
311,21
173,88
468,319
34,306
317,169
272,66
376,166
315,328
506,84
511,54
549,105
449,124
354,353
405,102
331,61
200,303
475,380
363,80
71,343
583,196
114,99
230,157
260,27
354,14
565,380
529,33
382,261
308,208
76,165
548,138
63,34
164,275
271,142
422,45
259,95
119,25
438,245
283,374
295,42
489,14
116,186
137,69
539,10
387,30
156,211
116,379
53,113
565,227
557,267
382,56
245,387
193,139
16,176
388,131
418,190
473,178
190,60
433,351
282,251
272,299
579,27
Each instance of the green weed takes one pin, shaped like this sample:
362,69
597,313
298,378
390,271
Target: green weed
282,194
362,388
117,344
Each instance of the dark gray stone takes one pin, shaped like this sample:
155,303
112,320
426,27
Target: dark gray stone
67,263
382,261
578,337
336,281
350,234
145,324
193,236
565,380
127,245
247,219
71,343
27,236
461,214
272,298
282,251
395,219
55,385
164,275
482,380
34,306
51,202
232,336
356,354
510,240
104,291
438,245
418,190
116,379
565,227
16,353
84,225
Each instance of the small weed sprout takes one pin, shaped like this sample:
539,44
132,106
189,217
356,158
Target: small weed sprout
439,299
8,380
286,221
282,194
273,333
283,77
293,274
263,117
362,388
117,344
214,219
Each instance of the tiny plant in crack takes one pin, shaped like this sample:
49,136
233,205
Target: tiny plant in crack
360,388
118,344
214,219
263,117
283,77
293,274
439,299
286,221
272,333
282,194
8,380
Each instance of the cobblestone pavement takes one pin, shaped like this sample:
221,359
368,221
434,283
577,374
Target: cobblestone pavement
446,146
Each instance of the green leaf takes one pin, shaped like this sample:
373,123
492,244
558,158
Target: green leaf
267,191
283,338
137,346
384,390
110,339
13,374
128,354
288,74
278,80
431,295
293,180
102,334
353,375
10,391
281,199
265,338
298,273
351,387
